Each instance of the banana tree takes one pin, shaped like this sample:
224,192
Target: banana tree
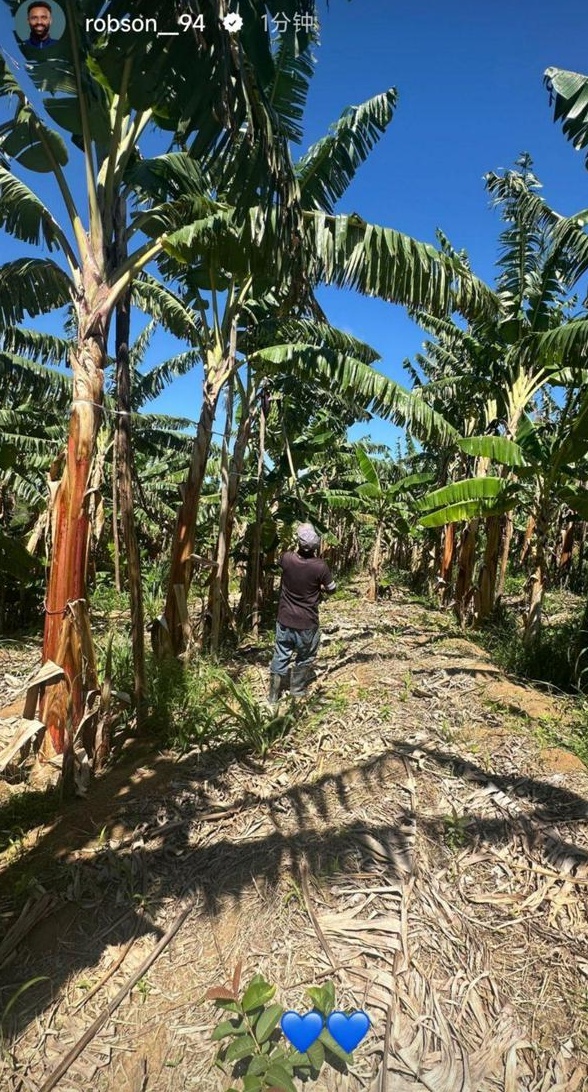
243,265
304,428
547,465
383,505
494,368
324,248
105,104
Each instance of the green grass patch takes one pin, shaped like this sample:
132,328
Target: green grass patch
23,812
572,736
185,702
551,660
198,704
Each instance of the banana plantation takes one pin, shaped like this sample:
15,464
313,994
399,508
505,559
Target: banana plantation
158,202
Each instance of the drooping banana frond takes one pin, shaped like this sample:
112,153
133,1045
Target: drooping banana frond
405,485
24,215
22,379
574,444
141,344
465,500
341,499
171,430
148,386
164,305
275,331
289,90
167,178
26,138
382,262
212,234
568,343
28,430
446,328
42,348
352,379
498,448
367,468
568,92
32,286
329,166
179,214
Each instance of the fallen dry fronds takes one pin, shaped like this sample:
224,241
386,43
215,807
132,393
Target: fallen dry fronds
404,842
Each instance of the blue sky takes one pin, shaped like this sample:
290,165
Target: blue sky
471,98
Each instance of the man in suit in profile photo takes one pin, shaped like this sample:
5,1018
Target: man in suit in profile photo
39,15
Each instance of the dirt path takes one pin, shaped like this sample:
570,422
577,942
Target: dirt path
413,815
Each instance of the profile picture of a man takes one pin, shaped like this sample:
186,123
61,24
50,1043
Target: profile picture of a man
39,16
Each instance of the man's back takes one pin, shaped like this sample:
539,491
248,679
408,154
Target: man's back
302,580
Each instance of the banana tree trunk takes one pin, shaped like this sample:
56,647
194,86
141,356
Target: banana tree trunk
258,529
537,582
115,514
215,600
67,638
220,582
374,569
529,530
566,547
123,443
487,581
415,555
581,550
505,541
447,559
465,569
184,539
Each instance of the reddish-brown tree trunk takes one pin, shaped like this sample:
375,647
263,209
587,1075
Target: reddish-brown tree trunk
67,640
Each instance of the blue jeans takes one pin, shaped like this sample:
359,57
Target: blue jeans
303,642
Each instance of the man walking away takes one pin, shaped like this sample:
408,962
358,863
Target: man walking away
304,577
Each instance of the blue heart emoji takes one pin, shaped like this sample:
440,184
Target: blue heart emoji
302,1031
348,1031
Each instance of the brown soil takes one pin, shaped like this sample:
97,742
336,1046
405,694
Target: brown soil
413,815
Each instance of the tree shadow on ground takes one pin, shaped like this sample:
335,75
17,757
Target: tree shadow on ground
112,892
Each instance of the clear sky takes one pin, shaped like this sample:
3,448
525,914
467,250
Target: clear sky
471,98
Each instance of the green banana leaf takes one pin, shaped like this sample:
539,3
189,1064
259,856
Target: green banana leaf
497,448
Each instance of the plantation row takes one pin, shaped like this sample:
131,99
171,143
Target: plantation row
223,241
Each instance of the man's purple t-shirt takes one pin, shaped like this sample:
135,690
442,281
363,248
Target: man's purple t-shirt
302,580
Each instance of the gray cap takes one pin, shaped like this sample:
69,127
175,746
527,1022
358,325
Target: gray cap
308,537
